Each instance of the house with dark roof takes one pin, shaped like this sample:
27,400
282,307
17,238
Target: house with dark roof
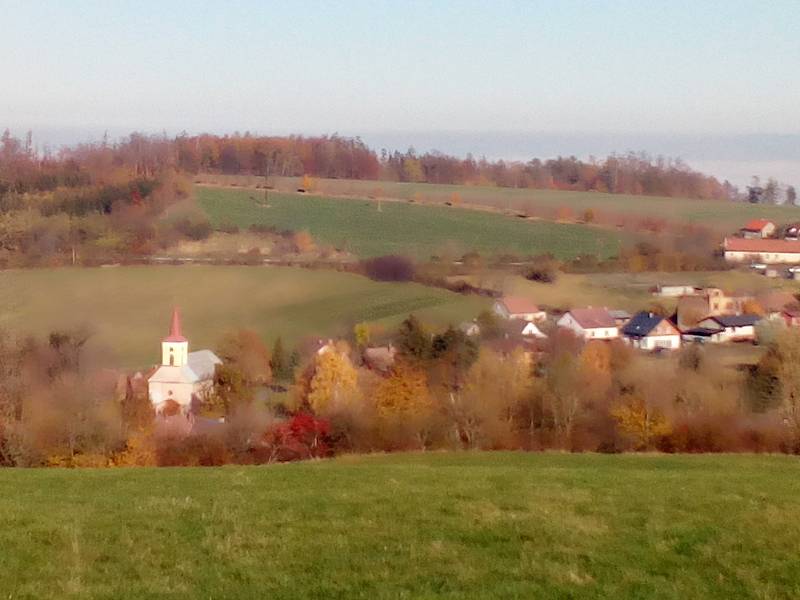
758,229
519,307
590,323
649,331
725,328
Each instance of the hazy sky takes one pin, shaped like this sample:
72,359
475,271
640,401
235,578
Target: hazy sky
637,67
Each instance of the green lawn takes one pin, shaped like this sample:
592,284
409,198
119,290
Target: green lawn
722,216
498,525
128,308
403,228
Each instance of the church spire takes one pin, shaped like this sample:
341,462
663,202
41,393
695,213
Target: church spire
175,334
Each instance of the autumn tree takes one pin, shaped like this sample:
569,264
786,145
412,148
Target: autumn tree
642,421
404,404
245,351
334,384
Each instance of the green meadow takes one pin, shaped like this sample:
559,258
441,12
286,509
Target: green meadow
457,525
128,308
722,216
417,230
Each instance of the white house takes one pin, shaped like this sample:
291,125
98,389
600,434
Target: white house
517,307
725,328
648,331
184,377
758,229
742,250
590,323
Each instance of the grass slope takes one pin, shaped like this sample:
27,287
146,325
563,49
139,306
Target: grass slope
496,525
128,308
723,216
402,228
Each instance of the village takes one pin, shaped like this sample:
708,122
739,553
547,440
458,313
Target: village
516,324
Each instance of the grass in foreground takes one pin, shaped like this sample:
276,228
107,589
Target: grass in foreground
128,308
402,228
497,525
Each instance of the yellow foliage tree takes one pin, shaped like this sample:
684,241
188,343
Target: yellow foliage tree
334,384
643,422
404,393
309,183
303,242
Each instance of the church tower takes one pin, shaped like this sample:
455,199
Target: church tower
175,347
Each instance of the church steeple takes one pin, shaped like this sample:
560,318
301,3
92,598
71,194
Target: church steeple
175,347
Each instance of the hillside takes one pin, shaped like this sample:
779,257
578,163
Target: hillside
404,228
128,308
497,525
722,216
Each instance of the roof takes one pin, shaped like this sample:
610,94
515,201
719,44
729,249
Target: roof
620,314
642,324
200,367
175,334
757,225
757,246
735,320
516,305
592,318
703,331
776,300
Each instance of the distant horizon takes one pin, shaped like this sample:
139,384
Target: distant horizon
735,157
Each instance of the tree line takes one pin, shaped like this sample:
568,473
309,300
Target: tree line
342,157
441,389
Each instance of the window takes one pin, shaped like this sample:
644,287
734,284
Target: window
171,358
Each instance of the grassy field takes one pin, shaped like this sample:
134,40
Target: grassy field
722,216
630,291
403,228
128,308
498,525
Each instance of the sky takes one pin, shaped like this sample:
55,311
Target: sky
693,76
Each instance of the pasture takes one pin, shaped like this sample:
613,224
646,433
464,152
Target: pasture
721,216
436,525
366,229
128,308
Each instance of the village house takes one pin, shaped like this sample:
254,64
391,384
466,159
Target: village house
709,302
790,317
648,331
758,229
724,328
184,378
740,250
524,329
518,307
792,232
590,323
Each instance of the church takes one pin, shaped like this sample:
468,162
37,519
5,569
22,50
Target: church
184,378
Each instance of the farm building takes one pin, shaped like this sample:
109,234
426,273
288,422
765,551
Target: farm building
758,229
620,316
590,323
792,232
517,307
718,329
184,377
649,331
675,291
762,251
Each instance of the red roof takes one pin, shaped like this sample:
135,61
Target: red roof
758,246
592,318
757,225
517,305
175,328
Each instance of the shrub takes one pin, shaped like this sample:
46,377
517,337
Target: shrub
389,268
